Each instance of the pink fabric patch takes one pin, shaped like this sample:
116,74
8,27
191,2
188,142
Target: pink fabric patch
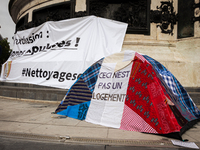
133,122
141,57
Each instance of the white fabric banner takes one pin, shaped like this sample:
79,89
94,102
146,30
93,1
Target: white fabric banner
56,53
107,103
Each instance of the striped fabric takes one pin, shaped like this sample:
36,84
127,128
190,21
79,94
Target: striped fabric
79,93
82,89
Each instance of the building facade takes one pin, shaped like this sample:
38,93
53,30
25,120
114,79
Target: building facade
166,30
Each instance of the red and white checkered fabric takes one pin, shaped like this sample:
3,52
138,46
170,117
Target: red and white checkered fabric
133,122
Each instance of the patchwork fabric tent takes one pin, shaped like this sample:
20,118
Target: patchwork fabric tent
131,91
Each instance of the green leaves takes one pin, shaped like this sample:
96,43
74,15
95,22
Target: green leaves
4,50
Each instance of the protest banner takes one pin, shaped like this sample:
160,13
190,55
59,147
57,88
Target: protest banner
56,53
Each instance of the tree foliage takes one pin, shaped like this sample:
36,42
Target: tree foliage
4,51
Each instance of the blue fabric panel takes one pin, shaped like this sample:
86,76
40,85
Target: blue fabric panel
91,74
79,93
77,111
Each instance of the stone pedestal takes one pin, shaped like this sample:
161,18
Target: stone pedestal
180,56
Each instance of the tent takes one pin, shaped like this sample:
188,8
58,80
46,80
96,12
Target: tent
131,91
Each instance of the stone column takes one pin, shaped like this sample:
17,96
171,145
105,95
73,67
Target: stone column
80,5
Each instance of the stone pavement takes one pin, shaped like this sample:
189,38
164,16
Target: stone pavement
34,119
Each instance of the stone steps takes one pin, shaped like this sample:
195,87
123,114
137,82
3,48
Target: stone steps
36,92
30,91
194,93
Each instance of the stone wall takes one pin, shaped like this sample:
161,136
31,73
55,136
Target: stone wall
180,56
36,4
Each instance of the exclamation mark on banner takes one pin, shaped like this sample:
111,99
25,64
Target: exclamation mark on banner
77,41
47,34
